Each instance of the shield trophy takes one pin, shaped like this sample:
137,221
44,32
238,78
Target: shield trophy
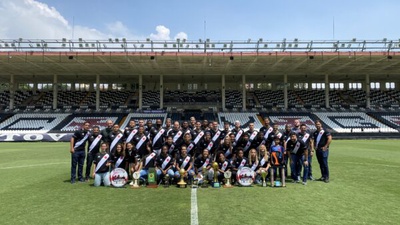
227,176
135,176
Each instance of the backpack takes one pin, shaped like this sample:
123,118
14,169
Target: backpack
277,155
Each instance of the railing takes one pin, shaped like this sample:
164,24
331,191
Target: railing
199,46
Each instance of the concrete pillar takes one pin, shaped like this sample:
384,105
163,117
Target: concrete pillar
161,91
223,91
97,92
244,92
55,90
285,91
12,91
367,91
327,91
140,91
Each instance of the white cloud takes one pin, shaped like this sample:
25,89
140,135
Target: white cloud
181,35
162,33
31,19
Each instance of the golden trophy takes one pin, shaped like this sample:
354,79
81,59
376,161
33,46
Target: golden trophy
263,175
205,175
215,168
182,183
135,176
228,175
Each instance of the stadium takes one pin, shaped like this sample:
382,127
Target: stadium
50,88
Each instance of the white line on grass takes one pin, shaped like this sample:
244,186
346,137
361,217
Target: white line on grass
371,164
32,165
194,219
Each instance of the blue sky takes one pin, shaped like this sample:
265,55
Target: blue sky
217,19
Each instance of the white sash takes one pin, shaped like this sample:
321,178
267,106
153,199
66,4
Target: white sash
95,142
319,137
254,167
119,161
129,138
166,161
171,148
296,148
216,136
206,162
268,132
199,136
158,136
210,146
242,164
253,135
185,162
142,140
228,152
115,141
77,144
306,136
197,139
262,162
238,135
102,161
177,136
148,158
223,168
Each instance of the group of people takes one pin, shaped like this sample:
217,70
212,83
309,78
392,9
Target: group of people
194,146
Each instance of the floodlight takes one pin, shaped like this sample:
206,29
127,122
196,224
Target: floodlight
265,45
80,39
116,40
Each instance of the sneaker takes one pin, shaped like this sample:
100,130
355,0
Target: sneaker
326,180
304,183
322,179
131,183
72,181
311,178
296,181
81,180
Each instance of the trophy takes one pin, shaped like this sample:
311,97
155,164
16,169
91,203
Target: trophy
135,176
166,180
182,183
228,175
263,175
205,174
215,168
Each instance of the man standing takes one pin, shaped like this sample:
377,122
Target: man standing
94,142
306,138
106,131
321,141
296,148
77,150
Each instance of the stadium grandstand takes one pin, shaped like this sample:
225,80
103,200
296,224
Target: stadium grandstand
50,87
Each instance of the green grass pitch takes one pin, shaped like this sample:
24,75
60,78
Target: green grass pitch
364,189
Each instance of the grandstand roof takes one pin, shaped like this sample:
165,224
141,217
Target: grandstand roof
270,65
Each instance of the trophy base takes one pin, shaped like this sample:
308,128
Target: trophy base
152,186
228,186
264,184
216,185
182,185
135,186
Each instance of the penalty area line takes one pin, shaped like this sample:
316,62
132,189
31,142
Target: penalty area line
32,165
194,218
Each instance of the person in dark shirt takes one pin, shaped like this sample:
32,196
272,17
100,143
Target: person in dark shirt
238,163
296,149
106,131
164,163
77,150
320,142
185,161
94,142
203,161
101,167
223,166
118,157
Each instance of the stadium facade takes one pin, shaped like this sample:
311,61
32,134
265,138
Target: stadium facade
351,85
